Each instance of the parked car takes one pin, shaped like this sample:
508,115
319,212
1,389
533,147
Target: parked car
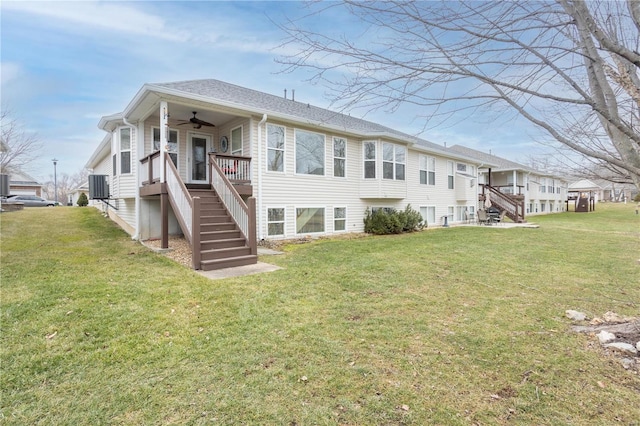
28,201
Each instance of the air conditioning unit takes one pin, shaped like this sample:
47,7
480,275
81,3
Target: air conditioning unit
4,185
98,187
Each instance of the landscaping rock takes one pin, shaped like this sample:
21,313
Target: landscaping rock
606,337
625,348
575,315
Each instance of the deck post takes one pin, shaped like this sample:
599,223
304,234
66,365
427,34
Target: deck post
195,234
164,213
253,241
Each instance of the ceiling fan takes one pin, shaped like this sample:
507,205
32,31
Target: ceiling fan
197,123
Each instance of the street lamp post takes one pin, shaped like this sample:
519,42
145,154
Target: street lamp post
55,181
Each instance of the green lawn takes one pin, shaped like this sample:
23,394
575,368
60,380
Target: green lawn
463,325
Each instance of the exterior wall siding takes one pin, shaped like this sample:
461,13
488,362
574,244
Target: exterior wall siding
291,191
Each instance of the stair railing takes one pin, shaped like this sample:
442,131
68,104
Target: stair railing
244,214
179,198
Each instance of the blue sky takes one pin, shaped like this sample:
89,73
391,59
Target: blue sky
65,64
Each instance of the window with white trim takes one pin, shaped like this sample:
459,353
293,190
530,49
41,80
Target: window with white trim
369,151
236,141
339,218
393,161
310,153
450,211
427,170
450,175
428,214
309,220
275,148
339,157
461,167
275,222
172,143
125,150
543,185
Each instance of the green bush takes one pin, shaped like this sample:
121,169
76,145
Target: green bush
83,200
391,221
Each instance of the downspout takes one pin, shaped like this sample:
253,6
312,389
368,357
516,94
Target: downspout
259,212
139,145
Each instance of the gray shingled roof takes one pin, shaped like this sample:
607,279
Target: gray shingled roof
255,100
502,163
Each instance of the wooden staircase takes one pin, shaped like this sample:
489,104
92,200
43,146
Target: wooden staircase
512,205
222,244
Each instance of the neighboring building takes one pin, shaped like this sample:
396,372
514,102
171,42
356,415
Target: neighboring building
20,183
537,191
281,168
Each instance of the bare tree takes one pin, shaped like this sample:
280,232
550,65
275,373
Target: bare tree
66,184
17,147
567,66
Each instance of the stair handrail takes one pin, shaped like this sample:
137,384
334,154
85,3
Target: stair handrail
242,213
180,199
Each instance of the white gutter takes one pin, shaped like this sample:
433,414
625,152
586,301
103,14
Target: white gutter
259,167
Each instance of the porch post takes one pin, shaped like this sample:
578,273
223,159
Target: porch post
515,182
164,215
164,127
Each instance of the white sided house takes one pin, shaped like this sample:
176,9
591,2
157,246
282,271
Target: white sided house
519,190
227,166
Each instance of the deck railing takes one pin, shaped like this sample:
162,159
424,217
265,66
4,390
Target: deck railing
244,214
152,161
236,169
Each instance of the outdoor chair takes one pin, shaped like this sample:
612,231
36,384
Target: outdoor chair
483,219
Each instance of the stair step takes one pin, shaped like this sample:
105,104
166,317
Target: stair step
220,235
210,226
216,219
210,265
222,243
224,253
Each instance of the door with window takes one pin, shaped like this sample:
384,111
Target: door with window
198,163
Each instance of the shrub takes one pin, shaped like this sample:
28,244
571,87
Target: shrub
391,221
83,200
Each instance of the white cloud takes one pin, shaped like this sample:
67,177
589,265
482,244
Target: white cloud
108,16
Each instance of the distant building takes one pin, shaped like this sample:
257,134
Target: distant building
20,183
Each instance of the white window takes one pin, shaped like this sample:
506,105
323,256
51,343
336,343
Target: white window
369,160
450,211
340,219
450,175
275,221
309,220
172,143
275,148
125,150
393,161
428,214
339,157
543,185
427,170
309,153
236,141
461,167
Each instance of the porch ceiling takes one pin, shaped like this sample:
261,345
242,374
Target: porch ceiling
180,109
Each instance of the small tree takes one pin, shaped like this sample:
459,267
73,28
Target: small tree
83,200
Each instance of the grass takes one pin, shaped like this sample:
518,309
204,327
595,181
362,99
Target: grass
449,326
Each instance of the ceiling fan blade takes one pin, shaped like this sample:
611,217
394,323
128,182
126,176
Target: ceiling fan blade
202,122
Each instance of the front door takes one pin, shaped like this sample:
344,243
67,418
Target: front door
198,167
